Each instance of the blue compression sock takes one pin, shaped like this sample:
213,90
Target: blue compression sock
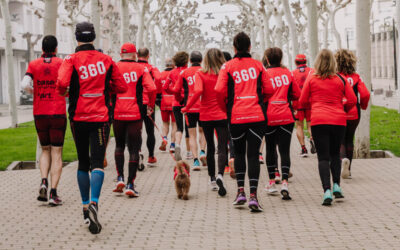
96,182
84,186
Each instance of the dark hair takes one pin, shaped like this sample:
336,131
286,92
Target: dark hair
49,44
227,56
181,59
196,57
143,52
274,56
84,32
242,42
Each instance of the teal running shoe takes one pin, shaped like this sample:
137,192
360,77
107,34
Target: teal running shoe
337,191
327,198
196,165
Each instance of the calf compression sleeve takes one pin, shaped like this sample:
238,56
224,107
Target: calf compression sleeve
84,185
96,181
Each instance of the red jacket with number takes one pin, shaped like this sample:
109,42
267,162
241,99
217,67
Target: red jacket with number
242,88
155,74
44,72
171,81
204,86
185,83
359,88
128,105
326,99
300,75
166,99
279,110
90,76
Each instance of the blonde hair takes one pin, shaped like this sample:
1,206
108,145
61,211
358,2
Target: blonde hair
346,61
325,64
213,61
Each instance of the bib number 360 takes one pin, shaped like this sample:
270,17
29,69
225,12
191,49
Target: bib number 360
92,70
244,75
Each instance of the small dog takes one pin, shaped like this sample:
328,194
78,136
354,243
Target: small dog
182,179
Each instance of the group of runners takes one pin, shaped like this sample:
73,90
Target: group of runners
240,101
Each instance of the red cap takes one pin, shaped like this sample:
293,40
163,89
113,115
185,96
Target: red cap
301,58
128,48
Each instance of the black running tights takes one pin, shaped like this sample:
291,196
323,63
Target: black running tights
149,125
347,147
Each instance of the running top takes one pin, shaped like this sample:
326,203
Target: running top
155,74
359,88
171,81
91,76
44,72
242,88
128,105
166,99
300,75
186,83
326,99
279,110
204,86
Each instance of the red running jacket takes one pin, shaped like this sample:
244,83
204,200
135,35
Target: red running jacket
300,75
359,88
242,88
171,81
44,73
326,98
128,105
166,99
204,86
91,76
279,110
185,83
155,74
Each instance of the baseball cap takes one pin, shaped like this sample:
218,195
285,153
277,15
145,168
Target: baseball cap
84,32
128,48
301,58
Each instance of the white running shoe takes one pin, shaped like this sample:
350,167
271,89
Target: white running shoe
189,155
345,168
271,188
214,186
285,191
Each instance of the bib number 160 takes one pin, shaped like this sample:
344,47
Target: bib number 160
279,80
92,70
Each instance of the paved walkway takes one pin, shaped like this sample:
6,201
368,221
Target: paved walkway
24,115
367,219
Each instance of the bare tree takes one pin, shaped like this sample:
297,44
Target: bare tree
124,21
292,28
50,17
312,29
95,10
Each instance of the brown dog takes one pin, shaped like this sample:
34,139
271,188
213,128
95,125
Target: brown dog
182,179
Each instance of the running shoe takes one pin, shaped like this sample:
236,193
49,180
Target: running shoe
231,164
189,155
141,164
152,161
163,146
94,224
254,205
285,191
42,193
221,188
290,174
172,148
105,163
54,200
178,154
327,198
271,188
261,159
304,152
86,219
130,191
196,165
119,187
203,158
345,168
227,170
313,149
240,199
337,191
277,177
213,184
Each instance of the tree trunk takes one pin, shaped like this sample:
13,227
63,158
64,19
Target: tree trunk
398,46
10,63
95,19
334,30
278,28
267,36
153,45
312,27
124,21
326,33
292,28
50,17
363,40
139,37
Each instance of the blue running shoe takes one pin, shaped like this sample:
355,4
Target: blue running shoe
254,205
130,191
327,198
203,158
240,199
196,165
337,191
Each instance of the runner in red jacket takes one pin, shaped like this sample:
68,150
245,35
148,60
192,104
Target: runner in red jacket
88,77
280,119
242,88
49,115
212,117
346,61
325,90
300,75
185,84
128,116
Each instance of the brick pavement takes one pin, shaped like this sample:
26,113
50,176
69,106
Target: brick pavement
367,219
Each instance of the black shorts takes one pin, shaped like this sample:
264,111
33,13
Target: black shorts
217,123
178,118
192,119
51,129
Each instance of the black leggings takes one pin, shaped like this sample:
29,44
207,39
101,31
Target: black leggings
347,147
180,124
327,139
247,138
231,147
91,136
151,139
280,136
129,132
221,128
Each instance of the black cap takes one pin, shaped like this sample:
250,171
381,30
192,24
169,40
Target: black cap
84,32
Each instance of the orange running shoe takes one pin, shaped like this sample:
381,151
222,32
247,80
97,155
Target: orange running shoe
227,169
163,146
232,169
152,161
105,163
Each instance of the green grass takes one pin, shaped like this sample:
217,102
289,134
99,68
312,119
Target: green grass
385,129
